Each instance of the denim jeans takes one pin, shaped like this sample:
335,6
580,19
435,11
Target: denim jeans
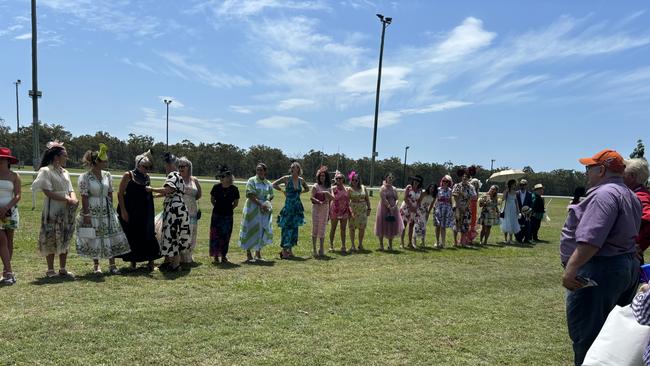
587,308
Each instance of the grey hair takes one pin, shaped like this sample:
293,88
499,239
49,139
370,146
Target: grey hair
638,167
144,159
183,160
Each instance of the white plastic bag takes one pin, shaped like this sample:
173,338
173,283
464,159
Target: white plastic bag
621,341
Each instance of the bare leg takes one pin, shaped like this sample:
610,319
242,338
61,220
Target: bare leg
381,243
390,243
50,262
487,234
321,251
443,236
438,235
352,232
362,233
96,265
4,252
10,243
335,223
258,254
313,245
249,256
344,226
411,226
401,245
63,259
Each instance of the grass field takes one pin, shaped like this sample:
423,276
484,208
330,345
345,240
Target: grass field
498,305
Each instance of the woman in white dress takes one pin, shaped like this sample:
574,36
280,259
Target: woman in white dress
409,208
9,197
59,208
191,198
97,212
510,212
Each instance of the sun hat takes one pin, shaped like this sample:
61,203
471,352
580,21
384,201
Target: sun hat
5,153
523,182
609,158
538,186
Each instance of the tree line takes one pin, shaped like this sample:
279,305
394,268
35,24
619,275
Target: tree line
208,157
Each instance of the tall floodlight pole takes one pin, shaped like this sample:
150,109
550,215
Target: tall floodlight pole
406,151
167,103
16,83
492,164
385,21
34,93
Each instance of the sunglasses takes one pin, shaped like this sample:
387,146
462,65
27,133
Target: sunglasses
148,167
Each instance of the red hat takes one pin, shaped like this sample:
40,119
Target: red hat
5,153
608,158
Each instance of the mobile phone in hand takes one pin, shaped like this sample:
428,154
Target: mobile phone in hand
586,282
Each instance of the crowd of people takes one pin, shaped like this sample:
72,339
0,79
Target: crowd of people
134,233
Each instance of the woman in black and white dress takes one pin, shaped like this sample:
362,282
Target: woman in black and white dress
176,233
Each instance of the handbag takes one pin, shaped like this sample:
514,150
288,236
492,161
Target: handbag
198,214
621,340
86,233
390,218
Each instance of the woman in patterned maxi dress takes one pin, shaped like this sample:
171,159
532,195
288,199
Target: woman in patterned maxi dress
176,233
409,208
292,215
191,197
427,198
96,191
256,227
444,213
489,213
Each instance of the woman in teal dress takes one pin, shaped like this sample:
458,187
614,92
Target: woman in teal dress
292,215
256,228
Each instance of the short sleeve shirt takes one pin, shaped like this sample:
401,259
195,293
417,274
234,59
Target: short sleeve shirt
223,199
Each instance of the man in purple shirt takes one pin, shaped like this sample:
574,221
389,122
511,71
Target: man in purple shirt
598,246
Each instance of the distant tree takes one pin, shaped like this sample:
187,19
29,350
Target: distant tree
639,150
528,170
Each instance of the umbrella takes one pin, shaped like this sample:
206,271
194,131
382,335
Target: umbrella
506,175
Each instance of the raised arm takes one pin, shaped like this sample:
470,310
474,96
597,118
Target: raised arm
282,180
199,192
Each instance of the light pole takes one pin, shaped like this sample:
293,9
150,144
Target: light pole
167,103
17,82
385,21
34,93
406,151
492,164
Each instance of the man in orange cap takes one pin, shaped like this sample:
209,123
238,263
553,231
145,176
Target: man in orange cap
598,250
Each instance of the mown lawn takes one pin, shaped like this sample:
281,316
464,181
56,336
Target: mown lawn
487,306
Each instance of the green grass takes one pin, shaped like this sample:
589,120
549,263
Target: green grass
489,306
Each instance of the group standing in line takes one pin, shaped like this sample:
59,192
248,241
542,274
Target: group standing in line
133,232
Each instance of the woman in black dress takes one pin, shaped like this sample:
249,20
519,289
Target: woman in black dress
136,213
225,198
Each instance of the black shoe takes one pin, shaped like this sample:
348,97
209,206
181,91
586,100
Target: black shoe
163,267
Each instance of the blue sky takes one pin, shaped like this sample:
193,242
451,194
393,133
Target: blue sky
523,82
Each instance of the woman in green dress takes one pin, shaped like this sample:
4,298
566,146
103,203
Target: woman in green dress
256,227
292,215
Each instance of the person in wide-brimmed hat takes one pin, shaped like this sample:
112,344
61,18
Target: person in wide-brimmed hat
538,211
524,199
9,197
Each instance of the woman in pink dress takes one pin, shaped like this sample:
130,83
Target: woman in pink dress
339,210
320,198
388,223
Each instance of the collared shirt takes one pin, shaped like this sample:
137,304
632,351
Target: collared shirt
608,218
522,196
643,239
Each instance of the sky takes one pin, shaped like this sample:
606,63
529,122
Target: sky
526,83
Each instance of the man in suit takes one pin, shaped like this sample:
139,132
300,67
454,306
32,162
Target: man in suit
524,199
538,211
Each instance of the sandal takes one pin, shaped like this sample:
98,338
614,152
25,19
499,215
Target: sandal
64,272
8,279
113,270
51,273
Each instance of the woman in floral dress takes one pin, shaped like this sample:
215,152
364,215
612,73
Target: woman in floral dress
462,193
59,208
292,215
339,210
256,228
489,213
409,208
191,197
360,208
97,212
320,199
176,232
427,199
473,209
444,213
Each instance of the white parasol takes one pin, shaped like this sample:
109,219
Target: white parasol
505,175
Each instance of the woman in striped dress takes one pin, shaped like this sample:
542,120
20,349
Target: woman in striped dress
256,227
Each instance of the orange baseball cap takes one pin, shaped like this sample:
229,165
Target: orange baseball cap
609,158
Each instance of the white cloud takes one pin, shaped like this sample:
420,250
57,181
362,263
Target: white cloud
175,102
138,64
185,126
11,29
247,8
240,109
24,36
392,78
280,122
463,40
294,103
202,73
437,107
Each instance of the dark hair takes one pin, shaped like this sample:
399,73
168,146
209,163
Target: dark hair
577,193
435,189
511,183
223,172
471,171
261,165
50,154
387,174
327,182
460,172
90,158
169,158
416,178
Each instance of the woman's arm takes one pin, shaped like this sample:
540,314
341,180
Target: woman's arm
305,187
282,180
313,198
85,210
164,190
199,192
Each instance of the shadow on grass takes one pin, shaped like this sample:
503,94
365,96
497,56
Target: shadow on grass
136,272
261,263
519,245
172,275
192,265
93,277
393,251
297,259
226,265
363,251
324,257
51,280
